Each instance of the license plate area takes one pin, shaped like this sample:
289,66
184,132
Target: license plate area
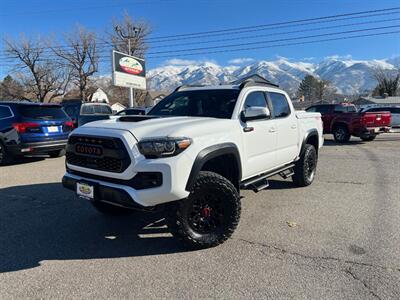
85,190
89,150
52,129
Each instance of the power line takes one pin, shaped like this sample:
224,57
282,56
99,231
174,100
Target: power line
279,23
273,41
260,27
104,50
279,33
279,45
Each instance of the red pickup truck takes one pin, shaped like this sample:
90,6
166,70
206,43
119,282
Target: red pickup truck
343,121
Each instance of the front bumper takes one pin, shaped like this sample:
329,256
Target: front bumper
105,193
37,147
174,173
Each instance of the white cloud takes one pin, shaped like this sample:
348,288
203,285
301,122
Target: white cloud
186,62
339,57
241,60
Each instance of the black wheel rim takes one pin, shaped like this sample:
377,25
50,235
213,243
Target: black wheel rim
340,134
310,166
207,213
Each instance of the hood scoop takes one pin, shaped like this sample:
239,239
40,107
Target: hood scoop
137,118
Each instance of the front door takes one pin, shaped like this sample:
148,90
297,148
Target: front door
259,139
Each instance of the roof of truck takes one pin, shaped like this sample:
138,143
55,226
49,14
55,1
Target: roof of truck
252,80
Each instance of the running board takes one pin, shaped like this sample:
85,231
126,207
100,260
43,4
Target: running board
260,182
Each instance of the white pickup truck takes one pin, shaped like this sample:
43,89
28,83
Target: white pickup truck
193,153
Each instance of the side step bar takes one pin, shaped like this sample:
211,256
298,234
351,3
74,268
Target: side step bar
260,182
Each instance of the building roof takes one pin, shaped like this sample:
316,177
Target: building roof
381,100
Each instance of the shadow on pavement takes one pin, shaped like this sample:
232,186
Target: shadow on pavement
281,184
333,143
45,222
25,160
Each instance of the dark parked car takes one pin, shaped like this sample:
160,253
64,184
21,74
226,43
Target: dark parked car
84,112
32,128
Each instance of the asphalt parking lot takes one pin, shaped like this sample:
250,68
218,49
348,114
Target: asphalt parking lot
337,239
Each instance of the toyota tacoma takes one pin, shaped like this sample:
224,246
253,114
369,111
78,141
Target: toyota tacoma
193,154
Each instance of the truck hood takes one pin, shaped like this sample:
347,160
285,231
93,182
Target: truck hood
164,127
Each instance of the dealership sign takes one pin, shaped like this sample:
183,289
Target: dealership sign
128,71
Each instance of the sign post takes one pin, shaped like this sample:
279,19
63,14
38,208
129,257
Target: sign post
128,71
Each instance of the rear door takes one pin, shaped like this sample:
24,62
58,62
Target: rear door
259,137
286,128
42,123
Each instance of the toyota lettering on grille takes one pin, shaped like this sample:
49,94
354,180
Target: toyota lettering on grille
89,150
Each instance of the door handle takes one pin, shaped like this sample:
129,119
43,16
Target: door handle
294,126
272,129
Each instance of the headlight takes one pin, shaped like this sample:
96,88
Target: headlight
163,147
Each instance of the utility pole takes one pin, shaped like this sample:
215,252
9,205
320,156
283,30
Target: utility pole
128,37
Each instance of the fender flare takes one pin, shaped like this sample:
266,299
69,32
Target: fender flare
309,133
209,153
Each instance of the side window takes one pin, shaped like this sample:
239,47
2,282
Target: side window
311,109
5,112
323,109
340,108
280,105
255,99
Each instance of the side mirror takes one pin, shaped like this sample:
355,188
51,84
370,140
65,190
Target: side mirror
255,113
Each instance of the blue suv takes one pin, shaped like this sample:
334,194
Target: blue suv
32,128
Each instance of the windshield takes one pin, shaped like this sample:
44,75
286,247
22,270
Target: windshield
94,109
198,103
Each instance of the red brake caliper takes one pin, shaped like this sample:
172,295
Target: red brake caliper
205,212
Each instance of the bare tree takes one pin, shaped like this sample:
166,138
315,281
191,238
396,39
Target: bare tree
39,76
80,55
129,37
134,34
388,82
324,90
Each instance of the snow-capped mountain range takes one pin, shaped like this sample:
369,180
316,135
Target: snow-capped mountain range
349,76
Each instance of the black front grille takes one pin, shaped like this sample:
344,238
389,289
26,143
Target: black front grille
115,158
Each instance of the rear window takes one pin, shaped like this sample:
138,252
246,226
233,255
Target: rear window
42,112
96,110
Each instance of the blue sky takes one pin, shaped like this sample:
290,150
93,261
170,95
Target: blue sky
169,17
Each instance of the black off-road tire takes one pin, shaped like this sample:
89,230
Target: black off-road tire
341,134
188,220
57,153
5,157
111,210
306,167
368,138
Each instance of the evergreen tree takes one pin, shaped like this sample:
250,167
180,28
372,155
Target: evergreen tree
307,88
